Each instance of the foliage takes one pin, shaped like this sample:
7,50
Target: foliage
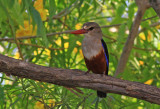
21,18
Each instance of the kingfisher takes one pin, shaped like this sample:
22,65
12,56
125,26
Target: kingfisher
94,50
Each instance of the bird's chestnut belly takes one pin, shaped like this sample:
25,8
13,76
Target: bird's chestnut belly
96,64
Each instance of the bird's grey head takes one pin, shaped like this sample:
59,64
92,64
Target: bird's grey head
90,30
93,30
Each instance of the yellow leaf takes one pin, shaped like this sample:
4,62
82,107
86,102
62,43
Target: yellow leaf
140,107
158,27
39,105
43,14
149,36
66,45
16,56
58,42
19,1
141,63
19,33
51,102
27,30
26,24
38,4
48,53
56,53
35,52
80,51
78,26
142,36
65,37
78,43
39,7
149,82
75,50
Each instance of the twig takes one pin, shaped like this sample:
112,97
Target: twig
109,37
84,99
152,25
16,42
29,37
76,78
144,49
64,24
45,105
114,25
150,18
72,91
38,46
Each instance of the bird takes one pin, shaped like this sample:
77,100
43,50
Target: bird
94,50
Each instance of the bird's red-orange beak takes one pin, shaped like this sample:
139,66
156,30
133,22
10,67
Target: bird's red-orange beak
81,31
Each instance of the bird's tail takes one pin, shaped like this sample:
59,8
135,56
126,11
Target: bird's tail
101,94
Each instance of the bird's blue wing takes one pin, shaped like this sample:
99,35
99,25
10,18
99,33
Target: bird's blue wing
106,54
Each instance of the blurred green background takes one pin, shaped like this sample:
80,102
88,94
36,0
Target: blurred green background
41,18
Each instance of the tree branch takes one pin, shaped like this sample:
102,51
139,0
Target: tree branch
29,37
77,78
152,25
142,6
38,46
156,6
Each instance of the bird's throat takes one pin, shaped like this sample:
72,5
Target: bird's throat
91,47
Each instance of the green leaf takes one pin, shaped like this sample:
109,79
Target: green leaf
10,3
40,27
1,96
131,11
80,12
37,19
121,34
44,37
9,17
17,14
72,45
3,16
120,10
52,7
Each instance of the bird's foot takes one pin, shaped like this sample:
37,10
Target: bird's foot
104,74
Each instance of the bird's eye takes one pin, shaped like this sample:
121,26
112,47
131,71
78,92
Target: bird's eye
91,28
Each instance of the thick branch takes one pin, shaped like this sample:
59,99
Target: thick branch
77,78
142,6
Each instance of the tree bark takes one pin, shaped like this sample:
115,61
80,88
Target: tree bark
77,78
156,6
